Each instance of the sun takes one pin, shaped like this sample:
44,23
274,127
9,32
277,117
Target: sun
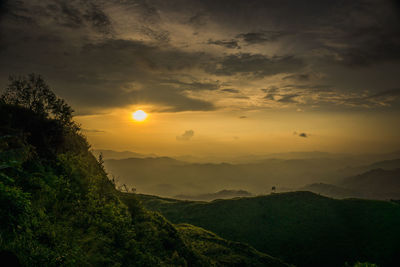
139,115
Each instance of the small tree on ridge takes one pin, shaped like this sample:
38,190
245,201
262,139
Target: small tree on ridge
33,93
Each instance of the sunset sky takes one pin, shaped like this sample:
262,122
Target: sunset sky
216,77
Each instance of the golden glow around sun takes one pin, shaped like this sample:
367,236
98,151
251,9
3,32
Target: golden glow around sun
139,115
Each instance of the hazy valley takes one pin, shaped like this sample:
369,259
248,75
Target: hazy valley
341,176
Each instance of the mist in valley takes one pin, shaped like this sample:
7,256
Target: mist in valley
334,175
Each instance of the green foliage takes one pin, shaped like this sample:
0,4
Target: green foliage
57,205
14,207
34,94
221,252
300,227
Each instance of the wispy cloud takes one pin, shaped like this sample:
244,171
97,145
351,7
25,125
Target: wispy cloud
186,136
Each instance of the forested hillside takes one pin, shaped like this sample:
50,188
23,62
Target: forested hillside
301,228
58,207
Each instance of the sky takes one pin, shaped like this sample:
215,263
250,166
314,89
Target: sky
218,77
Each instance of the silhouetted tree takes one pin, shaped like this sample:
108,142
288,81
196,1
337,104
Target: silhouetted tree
33,93
273,189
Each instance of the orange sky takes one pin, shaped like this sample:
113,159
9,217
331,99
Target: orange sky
225,133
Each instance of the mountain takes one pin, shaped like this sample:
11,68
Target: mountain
169,177
331,191
375,184
301,228
251,158
111,154
384,164
58,207
223,194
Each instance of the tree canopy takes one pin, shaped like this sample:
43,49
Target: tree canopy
33,93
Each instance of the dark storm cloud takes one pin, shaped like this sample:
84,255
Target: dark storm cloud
98,19
70,15
256,65
260,37
161,36
141,56
225,43
376,47
194,85
78,14
186,136
3,8
115,53
101,74
368,37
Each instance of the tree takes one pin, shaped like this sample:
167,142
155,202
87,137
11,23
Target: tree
33,93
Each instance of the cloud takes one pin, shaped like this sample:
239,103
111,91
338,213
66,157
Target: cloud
303,135
271,92
261,37
92,131
101,74
288,98
195,85
186,136
385,98
231,90
391,93
100,55
255,65
225,43
275,94
298,77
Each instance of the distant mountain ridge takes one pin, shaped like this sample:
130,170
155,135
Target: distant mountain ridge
383,164
170,177
112,154
223,194
372,184
375,184
330,190
147,174
362,159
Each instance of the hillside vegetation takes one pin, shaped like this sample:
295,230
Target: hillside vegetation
58,207
301,228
